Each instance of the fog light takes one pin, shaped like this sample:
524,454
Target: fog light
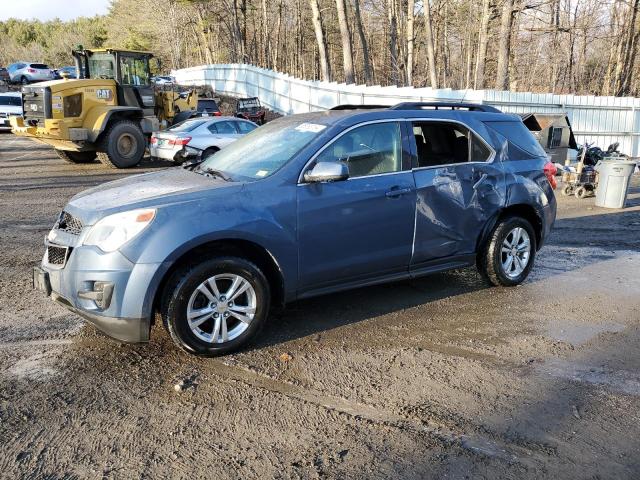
100,293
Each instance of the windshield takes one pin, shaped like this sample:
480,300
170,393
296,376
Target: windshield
13,101
102,65
187,125
265,150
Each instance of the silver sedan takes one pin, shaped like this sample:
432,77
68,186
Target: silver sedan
198,136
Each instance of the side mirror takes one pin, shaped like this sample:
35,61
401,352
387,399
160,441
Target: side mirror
327,172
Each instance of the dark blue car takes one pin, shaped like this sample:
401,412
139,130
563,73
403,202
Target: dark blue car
305,205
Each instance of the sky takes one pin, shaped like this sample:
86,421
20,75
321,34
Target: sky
49,9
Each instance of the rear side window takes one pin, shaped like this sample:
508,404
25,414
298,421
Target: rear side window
245,127
519,135
447,143
226,127
40,66
209,105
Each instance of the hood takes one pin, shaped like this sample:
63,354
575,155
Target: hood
171,186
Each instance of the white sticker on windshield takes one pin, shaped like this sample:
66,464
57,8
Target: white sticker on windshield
310,127
261,173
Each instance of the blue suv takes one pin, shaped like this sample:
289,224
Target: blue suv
305,205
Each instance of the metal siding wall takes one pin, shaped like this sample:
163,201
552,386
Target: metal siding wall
599,120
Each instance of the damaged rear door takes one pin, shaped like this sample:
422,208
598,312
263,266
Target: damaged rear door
459,185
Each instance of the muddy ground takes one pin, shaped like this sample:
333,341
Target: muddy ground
441,377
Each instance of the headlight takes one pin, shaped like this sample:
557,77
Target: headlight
110,233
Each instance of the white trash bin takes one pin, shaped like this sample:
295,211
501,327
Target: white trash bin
613,183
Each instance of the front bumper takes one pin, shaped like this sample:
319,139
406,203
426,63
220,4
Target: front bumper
126,316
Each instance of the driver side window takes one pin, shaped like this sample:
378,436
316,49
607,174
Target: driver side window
368,150
134,71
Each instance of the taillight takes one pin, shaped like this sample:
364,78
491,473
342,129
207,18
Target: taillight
154,140
550,171
180,141
217,114
31,70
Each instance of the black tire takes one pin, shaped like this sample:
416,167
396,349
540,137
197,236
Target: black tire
581,192
24,80
490,258
209,151
567,190
76,157
126,154
183,284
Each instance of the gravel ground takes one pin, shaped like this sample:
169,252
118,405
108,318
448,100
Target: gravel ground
440,377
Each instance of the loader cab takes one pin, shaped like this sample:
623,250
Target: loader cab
129,69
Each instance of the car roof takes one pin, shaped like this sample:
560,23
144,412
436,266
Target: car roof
353,116
11,94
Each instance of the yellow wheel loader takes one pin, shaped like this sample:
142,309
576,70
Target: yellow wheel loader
109,112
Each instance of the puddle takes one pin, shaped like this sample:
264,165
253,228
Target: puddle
579,333
622,381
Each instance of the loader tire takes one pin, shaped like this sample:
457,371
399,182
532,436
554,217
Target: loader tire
76,157
122,145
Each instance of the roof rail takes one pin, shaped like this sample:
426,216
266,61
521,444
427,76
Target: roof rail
475,107
357,107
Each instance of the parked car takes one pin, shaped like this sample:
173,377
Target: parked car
251,109
69,71
26,72
10,104
208,106
163,80
303,206
4,75
197,137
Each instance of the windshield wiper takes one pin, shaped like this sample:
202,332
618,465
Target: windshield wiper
215,173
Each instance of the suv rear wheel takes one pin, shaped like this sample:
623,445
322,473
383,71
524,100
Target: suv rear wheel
122,145
215,307
508,255
76,157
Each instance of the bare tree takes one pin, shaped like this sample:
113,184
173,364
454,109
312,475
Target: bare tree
431,54
316,18
347,53
504,45
368,72
411,6
483,41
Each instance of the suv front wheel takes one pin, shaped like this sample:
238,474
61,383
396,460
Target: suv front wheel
217,306
509,253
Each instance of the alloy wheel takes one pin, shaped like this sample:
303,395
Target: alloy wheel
515,252
221,308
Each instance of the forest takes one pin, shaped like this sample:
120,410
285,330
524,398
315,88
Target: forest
560,46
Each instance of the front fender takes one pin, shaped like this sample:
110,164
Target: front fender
97,119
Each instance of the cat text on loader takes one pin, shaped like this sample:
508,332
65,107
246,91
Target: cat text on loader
108,112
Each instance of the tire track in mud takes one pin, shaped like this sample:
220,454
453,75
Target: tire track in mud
476,444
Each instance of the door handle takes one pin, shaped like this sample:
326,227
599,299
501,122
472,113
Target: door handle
396,192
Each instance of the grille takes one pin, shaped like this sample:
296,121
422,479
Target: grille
56,255
36,104
68,223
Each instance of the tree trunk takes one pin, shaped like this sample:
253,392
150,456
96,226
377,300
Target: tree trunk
483,42
410,40
431,54
393,40
316,18
504,46
347,53
368,76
